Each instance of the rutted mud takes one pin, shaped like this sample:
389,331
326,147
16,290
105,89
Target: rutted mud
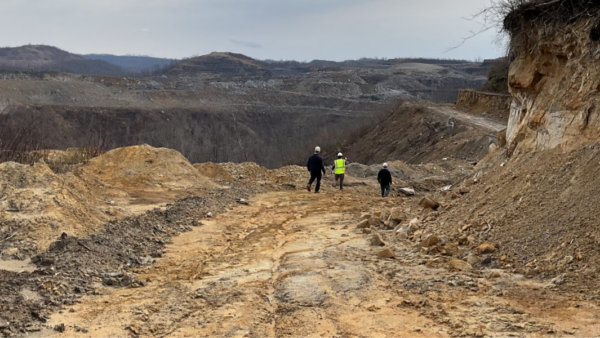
294,264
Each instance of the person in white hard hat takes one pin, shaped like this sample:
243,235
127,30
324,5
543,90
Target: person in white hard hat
339,170
384,177
316,167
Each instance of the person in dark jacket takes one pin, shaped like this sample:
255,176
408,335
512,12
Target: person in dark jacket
385,180
316,168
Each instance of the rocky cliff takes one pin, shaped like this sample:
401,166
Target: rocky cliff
553,77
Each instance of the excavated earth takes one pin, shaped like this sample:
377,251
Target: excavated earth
293,264
263,257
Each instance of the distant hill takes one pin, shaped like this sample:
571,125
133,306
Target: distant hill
132,63
222,64
47,58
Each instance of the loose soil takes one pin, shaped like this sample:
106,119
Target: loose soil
294,264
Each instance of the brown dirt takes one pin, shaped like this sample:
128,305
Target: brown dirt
37,204
293,264
540,212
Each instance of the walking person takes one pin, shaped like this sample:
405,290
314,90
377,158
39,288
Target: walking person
339,170
384,177
316,168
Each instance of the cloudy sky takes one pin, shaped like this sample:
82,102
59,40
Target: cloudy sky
266,29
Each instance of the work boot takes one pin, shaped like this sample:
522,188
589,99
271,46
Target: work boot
308,187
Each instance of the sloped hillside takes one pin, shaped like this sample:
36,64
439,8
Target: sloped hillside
47,58
420,133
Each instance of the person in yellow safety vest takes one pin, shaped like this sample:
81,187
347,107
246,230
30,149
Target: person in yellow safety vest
339,169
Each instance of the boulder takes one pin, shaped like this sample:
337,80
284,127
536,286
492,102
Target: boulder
376,240
486,248
397,214
460,265
386,253
428,203
363,224
407,191
430,240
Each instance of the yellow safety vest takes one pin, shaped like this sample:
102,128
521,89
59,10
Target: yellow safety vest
340,166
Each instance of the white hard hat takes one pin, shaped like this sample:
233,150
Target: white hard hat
385,165
317,149
340,154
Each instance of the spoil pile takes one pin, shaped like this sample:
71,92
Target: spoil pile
145,167
538,209
36,205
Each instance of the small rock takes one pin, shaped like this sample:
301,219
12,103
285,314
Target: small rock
494,274
10,251
60,327
451,249
430,240
397,214
209,214
472,258
363,224
558,280
376,240
374,220
243,201
486,248
428,203
471,239
377,213
386,253
366,231
460,265
464,191
578,256
407,191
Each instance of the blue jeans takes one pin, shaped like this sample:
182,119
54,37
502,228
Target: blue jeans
318,177
385,190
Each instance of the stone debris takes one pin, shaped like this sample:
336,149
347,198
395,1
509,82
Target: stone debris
407,191
386,253
460,265
429,203
376,240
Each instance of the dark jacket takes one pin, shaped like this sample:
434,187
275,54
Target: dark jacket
384,177
315,164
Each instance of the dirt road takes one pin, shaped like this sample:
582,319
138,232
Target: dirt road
294,264
486,122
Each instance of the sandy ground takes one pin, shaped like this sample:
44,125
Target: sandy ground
294,264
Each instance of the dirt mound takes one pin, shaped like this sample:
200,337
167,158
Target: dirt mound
214,171
36,205
145,167
249,171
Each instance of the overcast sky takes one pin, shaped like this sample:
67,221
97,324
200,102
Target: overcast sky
266,29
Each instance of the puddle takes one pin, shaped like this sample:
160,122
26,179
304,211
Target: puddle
17,266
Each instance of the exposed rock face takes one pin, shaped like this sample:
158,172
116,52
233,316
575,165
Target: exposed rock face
555,89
